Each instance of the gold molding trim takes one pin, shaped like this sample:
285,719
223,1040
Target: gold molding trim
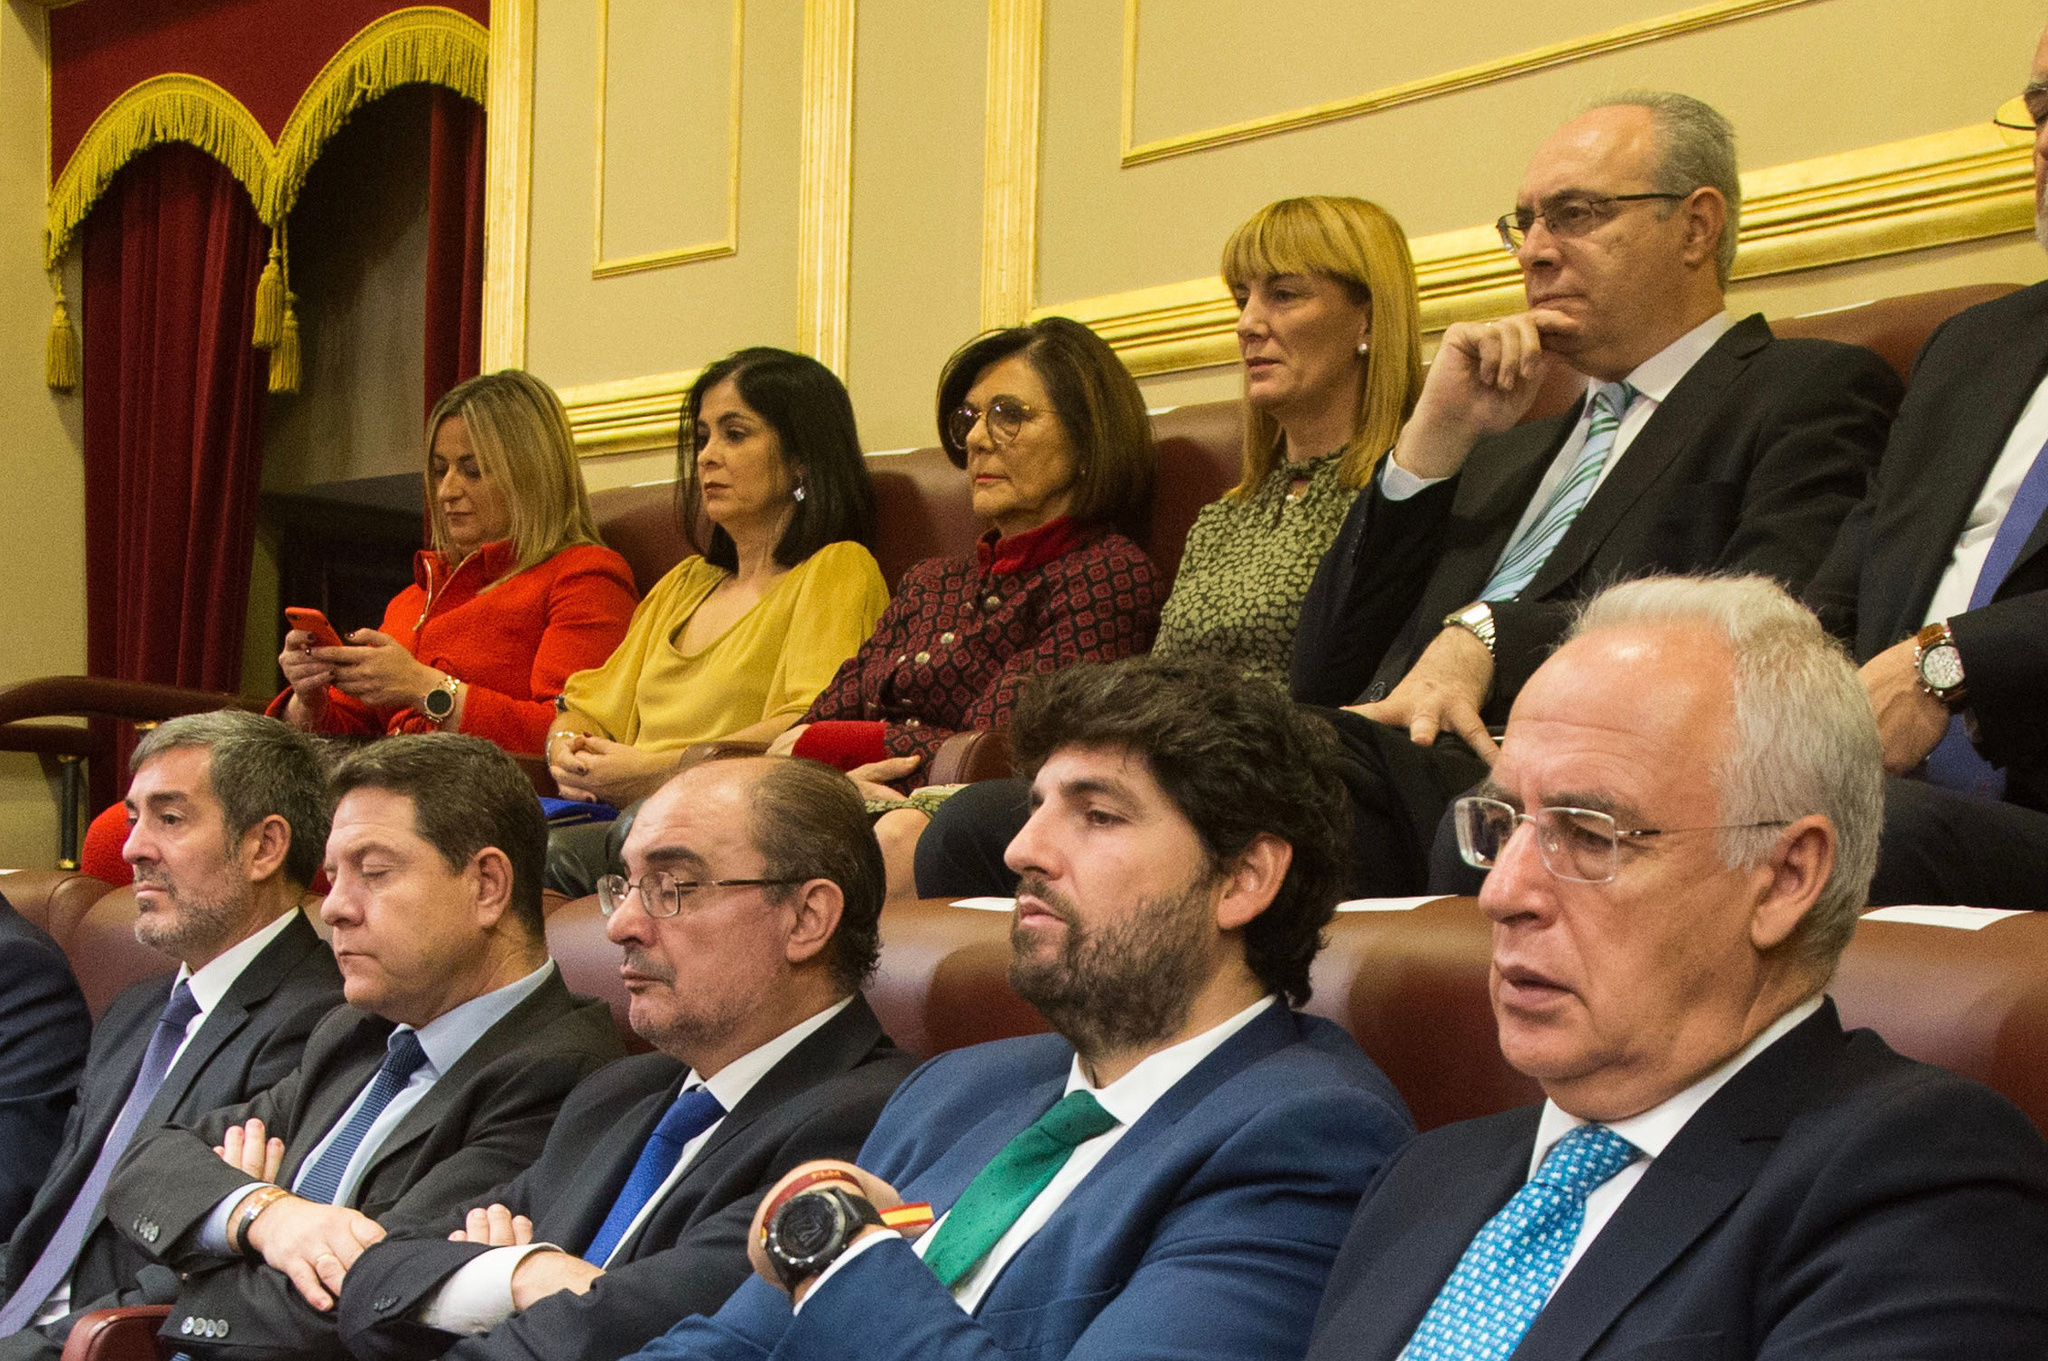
824,229
1961,185
601,268
628,415
1710,15
1009,196
508,183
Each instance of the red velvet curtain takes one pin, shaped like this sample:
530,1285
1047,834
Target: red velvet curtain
455,241
173,417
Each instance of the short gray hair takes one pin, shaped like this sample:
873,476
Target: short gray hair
1805,738
257,766
1698,150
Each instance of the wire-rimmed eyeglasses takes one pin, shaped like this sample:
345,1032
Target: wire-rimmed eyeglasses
1567,215
662,895
1580,844
1005,415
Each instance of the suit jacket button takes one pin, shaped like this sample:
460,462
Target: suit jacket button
1376,692
383,1302
222,1327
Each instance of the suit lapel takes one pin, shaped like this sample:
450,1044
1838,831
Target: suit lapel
599,1178
1494,491
330,1084
1672,429
835,1047
1705,1170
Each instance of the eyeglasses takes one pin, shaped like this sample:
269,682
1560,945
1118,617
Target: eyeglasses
1005,416
1580,844
1568,216
2023,112
662,895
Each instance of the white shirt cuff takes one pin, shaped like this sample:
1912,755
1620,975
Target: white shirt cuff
1398,484
478,1297
829,1272
213,1235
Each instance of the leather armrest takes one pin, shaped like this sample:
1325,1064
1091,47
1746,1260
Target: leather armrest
977,754
125,1334
100,697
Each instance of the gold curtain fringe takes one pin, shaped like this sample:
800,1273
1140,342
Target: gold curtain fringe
284,358
423,45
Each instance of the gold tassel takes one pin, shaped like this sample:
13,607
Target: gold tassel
284,359
60,356
270,304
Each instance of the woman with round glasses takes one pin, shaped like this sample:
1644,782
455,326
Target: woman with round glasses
1052,431
1328,336
738,639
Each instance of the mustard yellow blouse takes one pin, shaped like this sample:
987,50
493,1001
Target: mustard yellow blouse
773,660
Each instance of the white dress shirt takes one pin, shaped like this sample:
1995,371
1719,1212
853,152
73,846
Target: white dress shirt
444,1040
1127,1098
1653,379
1651,1132
209,985
477,1296
2028,435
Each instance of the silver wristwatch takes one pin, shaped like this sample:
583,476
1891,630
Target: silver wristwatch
1477,620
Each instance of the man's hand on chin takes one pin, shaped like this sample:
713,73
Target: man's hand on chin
1909,720
1441,693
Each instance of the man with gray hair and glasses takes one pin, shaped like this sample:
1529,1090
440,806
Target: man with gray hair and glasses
227,817
1701,443
1940,582
1678,831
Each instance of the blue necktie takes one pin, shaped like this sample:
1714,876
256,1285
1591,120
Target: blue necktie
688,1116
402,1058
1954,762
61,1253
1526,555
1506,1275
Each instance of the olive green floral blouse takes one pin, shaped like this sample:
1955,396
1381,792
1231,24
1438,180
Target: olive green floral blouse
1247,566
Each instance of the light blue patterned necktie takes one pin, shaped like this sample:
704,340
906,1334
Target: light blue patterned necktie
1526,555
1506,1275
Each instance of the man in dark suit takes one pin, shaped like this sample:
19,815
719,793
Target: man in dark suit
749,917
438,1081
1702,444
1718,1168
1168,1174
228,815
44,1032
1940,580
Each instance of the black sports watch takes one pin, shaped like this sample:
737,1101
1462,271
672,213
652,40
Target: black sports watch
811,1229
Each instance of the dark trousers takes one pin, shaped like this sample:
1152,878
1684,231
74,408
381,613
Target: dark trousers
1399,794
1944,847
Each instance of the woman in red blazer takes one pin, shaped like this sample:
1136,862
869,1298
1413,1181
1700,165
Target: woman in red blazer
516,593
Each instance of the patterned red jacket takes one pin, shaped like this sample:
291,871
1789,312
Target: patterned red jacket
963,635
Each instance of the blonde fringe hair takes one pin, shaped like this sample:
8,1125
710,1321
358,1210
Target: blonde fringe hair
520,435
1358,244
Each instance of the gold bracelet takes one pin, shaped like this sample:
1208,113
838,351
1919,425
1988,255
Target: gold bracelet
254,1204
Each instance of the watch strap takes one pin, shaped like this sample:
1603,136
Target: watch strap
1477,620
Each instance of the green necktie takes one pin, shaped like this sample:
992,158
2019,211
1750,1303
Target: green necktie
1012,1180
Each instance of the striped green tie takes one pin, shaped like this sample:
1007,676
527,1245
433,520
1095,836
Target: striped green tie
1011,1181
1525,557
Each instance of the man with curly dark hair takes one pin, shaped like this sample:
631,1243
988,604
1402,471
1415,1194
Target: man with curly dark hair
1170,1172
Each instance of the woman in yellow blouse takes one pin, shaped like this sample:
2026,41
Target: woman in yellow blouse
736,642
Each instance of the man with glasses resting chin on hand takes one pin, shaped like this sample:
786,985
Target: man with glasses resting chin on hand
1679,831
1702,443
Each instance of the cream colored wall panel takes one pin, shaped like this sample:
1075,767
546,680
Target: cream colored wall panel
917,205
1799,82
42,514
583,330
668,131
1363,57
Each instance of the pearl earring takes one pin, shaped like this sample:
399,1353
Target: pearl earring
1364,345
797,494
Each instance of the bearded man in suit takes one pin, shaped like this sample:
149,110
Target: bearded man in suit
227,816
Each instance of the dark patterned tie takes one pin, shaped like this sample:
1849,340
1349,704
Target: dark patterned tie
61,1253
402,1058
